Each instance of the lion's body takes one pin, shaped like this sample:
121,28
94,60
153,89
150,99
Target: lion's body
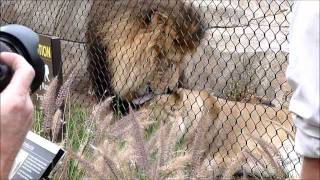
230,128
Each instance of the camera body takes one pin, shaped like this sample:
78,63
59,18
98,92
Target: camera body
21,40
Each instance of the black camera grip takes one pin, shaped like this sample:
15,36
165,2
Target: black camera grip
5,76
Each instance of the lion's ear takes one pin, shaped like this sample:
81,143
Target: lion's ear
181,80
179,96
189,30
147,16
152,18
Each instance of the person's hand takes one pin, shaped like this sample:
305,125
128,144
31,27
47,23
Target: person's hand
15,110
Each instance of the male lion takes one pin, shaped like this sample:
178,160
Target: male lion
136,47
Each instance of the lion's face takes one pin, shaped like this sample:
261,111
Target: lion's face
146,53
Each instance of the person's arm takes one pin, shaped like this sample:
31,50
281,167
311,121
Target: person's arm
303,76
15,111
310,168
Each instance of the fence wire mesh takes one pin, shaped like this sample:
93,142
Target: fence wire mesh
167,89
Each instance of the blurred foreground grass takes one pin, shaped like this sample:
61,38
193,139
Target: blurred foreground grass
76,134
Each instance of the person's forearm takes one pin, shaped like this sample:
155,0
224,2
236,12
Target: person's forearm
8,152
9,149
310,168
6,161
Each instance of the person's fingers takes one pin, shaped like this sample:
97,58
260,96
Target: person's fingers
23,73
29,110
12,59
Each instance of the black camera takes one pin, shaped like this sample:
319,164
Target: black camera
21,40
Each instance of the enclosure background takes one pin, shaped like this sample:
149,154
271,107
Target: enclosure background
243,53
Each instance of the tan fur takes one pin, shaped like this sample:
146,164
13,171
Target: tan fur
231,126
144,43
136,45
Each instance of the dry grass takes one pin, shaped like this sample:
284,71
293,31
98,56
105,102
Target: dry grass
101,145
268,158
54,104
128,155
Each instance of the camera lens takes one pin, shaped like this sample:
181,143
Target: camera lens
5,76
21,40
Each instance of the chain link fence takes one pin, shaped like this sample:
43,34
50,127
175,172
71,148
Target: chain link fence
170,89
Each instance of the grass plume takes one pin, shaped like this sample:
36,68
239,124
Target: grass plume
66,88
110,164
139,145
57,125
175,164
52,105
87,164
48,105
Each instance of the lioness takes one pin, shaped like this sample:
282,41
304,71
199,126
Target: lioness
229,129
